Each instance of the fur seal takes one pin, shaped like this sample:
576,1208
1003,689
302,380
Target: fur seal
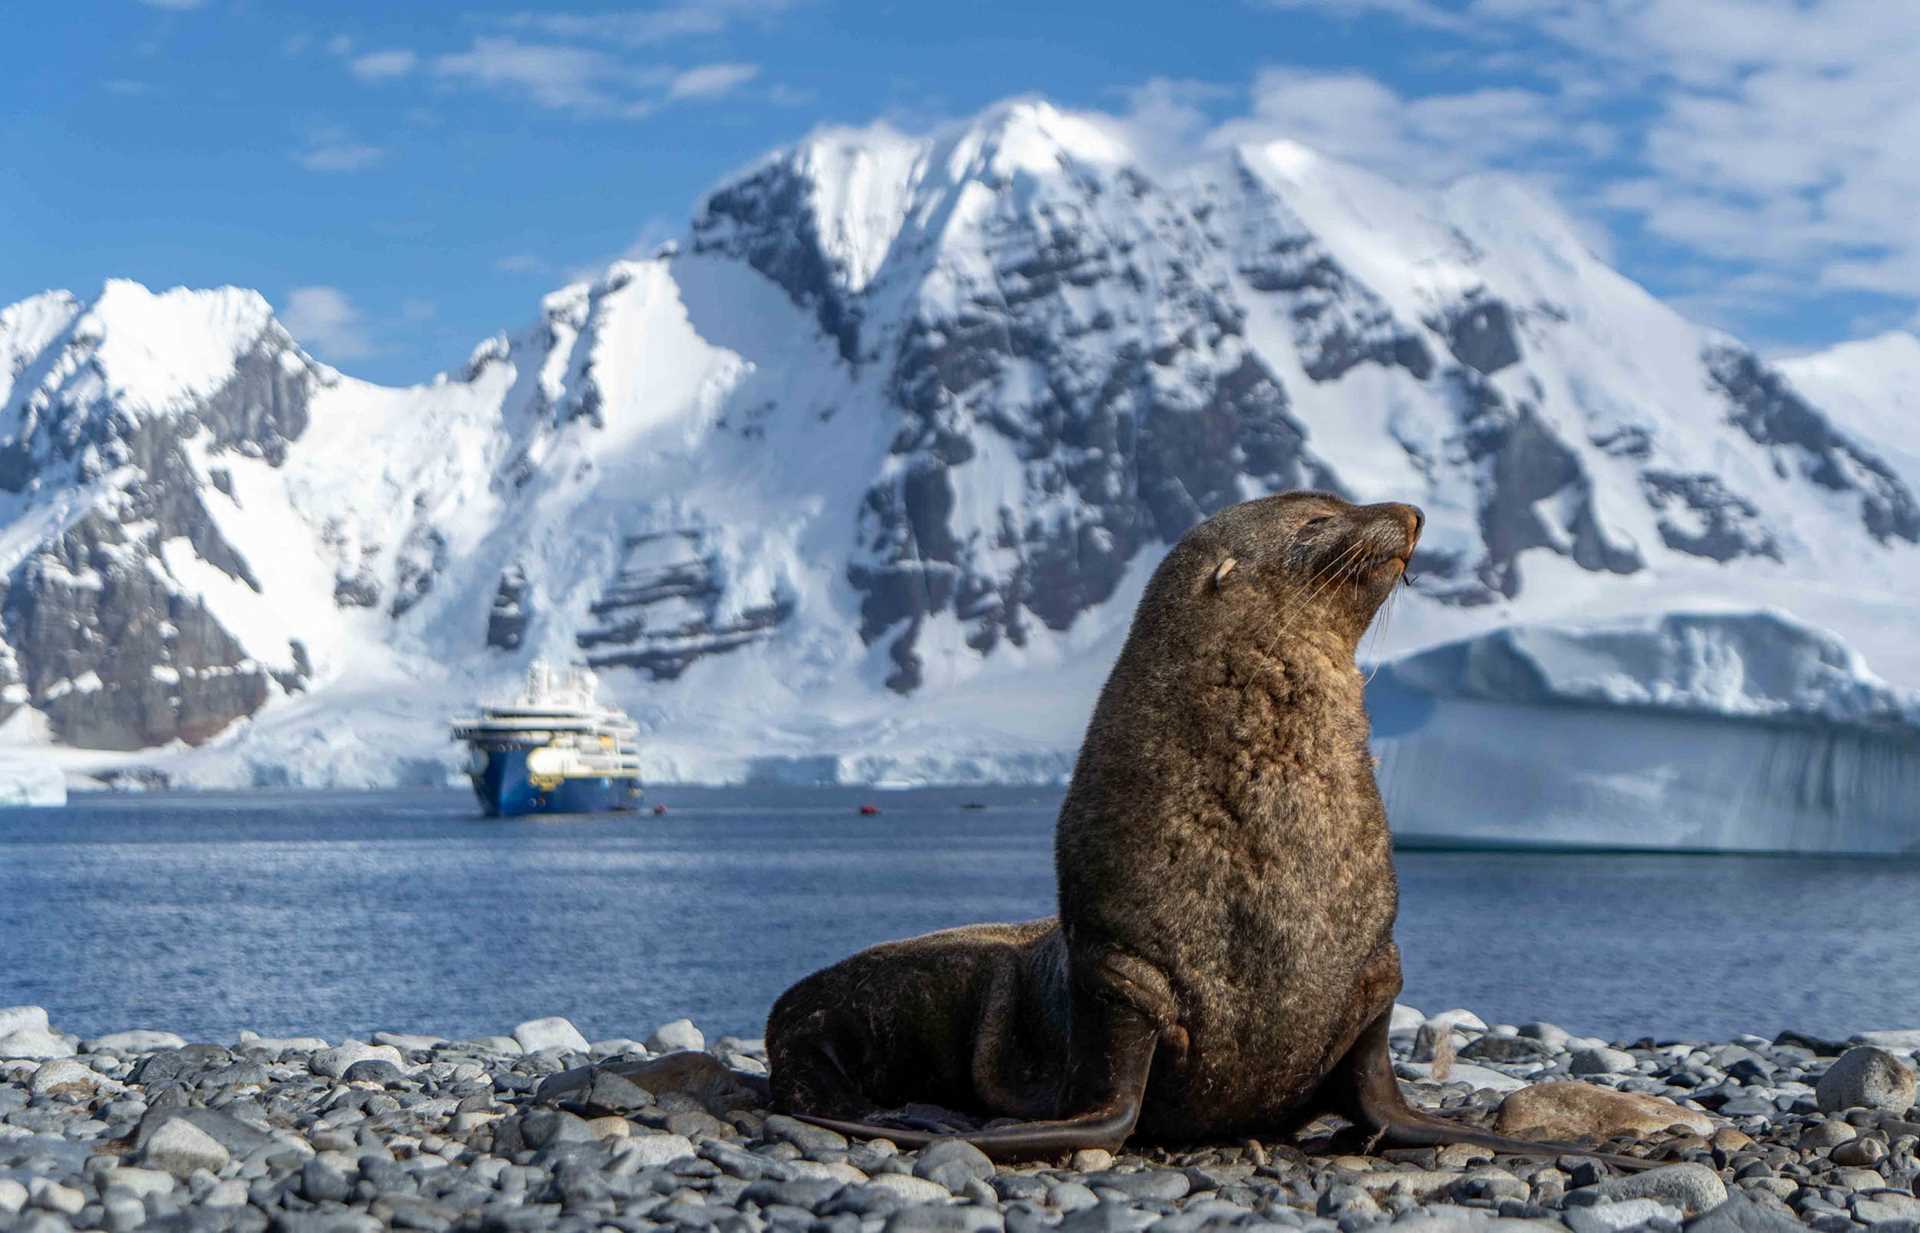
1223,962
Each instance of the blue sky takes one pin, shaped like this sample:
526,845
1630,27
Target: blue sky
403,180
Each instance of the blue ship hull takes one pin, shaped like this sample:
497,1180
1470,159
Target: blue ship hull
507,791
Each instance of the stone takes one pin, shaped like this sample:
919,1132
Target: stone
1482,1077
335,1062
373,1070
1897,1040
806,1137
1618,1217
281,1044
229,1193
552,1032
137,1041
1091,1160
674,1036
180,1147
1601,1062
34,1043
1071,1196
927,1218
322,1183
223,1128
909,1189
67,1076
616,1047
1509,1049
1162,1184
610,1127
19,1018
951,1162
49,1195
838,1171
1575,1111
406,1042
1879,1206
497,1044
653,1151
1824,1135
1866,1077
1740,1214
1690,1187
1862,1152
135,1182
1404,1019
1448,1020
13,1194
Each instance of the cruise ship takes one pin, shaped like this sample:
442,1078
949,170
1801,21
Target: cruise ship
554,749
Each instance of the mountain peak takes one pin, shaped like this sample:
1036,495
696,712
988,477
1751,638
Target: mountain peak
156,351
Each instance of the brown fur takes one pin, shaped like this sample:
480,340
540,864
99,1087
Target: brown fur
1226,886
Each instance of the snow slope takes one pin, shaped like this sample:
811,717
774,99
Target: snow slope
860,478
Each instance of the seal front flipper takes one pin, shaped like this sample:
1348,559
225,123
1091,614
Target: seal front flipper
1370,1096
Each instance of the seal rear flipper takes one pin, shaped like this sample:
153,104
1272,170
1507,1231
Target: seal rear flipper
1020,1142
1373,1101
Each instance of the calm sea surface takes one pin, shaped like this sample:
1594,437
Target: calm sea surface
341,914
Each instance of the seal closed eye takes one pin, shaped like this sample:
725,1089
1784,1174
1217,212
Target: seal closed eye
1223,961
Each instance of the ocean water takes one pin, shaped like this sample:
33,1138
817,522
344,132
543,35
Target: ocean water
339,914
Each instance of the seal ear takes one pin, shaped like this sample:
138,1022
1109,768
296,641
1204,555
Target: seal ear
1220,573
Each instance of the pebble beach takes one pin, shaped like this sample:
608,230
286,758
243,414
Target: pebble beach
536,1128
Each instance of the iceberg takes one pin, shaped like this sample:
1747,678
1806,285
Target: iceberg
25,783
1704,731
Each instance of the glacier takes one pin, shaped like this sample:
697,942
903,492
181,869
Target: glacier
1722,731
858,478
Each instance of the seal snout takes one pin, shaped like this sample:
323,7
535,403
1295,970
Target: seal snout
1396,527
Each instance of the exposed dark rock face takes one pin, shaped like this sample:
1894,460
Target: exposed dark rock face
767,220
421,559
1480,333
511,612
104,641
1768,410
1534,492
1700,515
113,655
665,607
1128,432
1338,322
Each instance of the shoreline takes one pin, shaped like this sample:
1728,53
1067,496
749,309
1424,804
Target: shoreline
143,1129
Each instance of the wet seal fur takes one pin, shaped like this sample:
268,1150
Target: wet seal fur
1223,962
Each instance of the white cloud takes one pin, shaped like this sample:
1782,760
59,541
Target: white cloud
711,80
383,65
332,150
567,78
647,27
1755,137
1417,12
1431,138
325,320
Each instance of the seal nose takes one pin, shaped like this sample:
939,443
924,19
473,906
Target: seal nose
1418,519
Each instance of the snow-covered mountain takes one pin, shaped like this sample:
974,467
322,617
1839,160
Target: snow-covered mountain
861,478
